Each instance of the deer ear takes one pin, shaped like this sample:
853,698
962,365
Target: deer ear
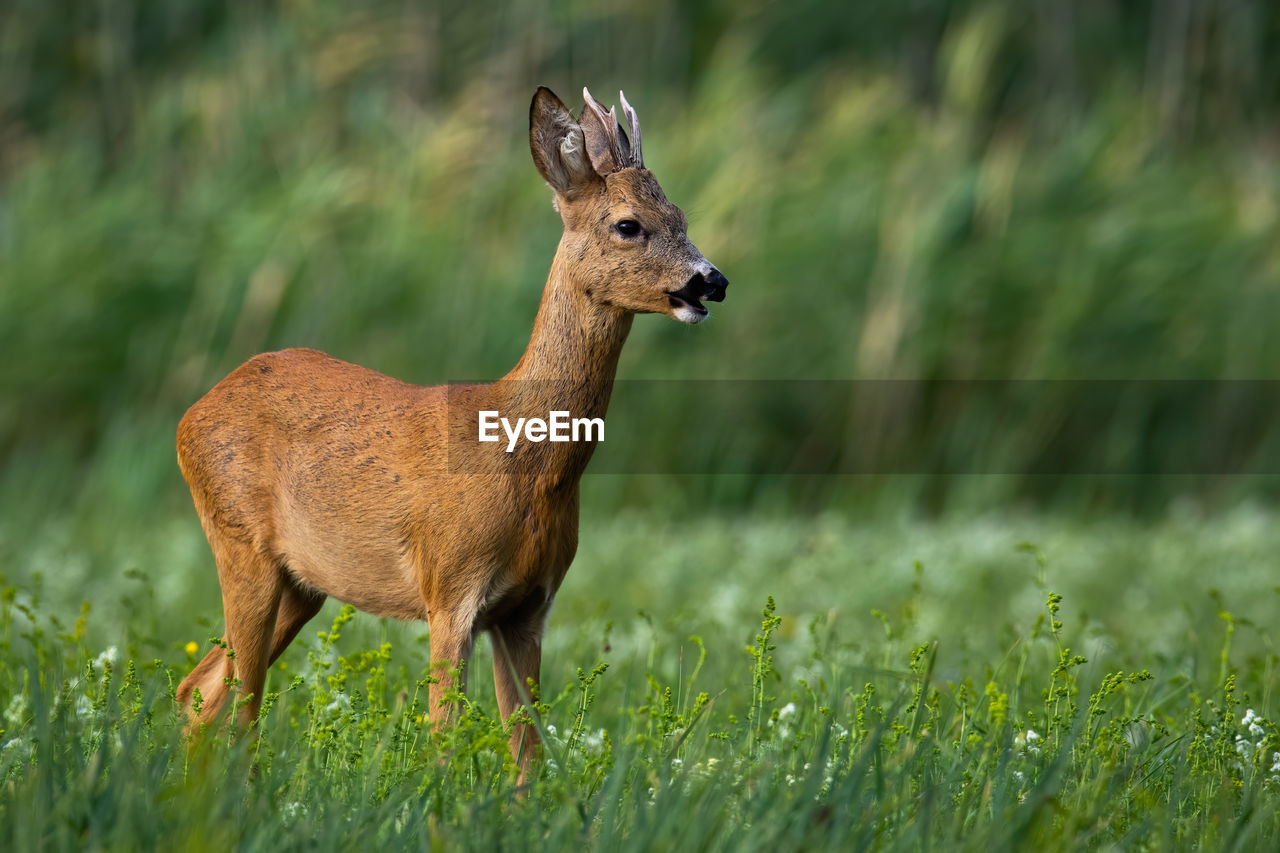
558,147
599,143
604,147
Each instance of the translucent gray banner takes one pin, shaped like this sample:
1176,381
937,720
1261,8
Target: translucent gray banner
780,427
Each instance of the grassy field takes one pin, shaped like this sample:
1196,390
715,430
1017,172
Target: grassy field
996,682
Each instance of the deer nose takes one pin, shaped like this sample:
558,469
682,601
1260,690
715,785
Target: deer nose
713,285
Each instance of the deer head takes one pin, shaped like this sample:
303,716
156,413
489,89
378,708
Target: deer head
628,246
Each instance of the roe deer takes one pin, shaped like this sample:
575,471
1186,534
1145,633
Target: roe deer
313,477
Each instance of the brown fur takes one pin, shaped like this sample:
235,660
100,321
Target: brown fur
313,477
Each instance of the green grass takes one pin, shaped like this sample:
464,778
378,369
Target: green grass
917,684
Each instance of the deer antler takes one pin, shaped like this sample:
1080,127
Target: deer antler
607,143
637,158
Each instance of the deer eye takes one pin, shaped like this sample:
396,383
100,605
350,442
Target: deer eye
628,228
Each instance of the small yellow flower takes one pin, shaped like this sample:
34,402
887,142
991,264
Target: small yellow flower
192,647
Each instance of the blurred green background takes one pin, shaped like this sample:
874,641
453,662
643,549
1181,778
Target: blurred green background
923,190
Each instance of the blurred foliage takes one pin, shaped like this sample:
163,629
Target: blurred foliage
922,190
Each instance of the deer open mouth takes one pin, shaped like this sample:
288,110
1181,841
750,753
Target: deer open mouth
680,300
686,303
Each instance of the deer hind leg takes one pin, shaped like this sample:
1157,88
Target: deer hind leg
207,677
252,588
297,605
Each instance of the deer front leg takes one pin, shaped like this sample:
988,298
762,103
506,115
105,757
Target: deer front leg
517,658
451,643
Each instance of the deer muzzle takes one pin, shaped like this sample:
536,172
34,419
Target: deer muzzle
715,284
709,285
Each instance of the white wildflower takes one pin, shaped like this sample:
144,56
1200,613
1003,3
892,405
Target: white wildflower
707,767
784,714
1021,779
1137,735
19,748
16,714
1025,741
340,705
109,656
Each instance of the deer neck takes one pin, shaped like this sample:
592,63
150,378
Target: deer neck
571,360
